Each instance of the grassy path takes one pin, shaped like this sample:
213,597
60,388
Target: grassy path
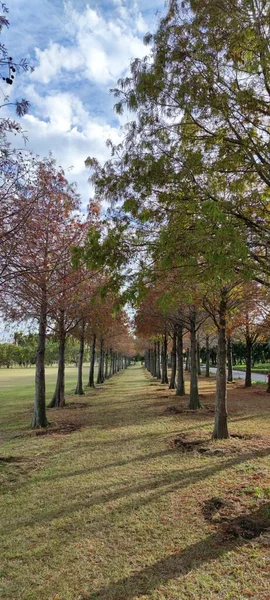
113,512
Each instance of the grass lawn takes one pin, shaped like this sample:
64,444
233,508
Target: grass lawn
262,368
125,506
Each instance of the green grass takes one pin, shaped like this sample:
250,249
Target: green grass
113,511
262,368
17,393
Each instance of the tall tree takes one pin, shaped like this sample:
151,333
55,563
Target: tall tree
38,257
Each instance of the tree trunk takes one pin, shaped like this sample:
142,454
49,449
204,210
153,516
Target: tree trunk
154,373
58,399
111,364
39,417
91,380
187,360
248,382
199,357
164,374
100,375
180,388
79,387
173,371
107,365
229,358
221,425
207,362
158,361
194,401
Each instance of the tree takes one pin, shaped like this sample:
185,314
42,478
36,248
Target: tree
204,95
38,256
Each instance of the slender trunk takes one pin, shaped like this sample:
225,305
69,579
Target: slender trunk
149,360
164,375
111,363
154,373
58,399
207,363
152,370
221,425
180,388
91,381
187,360
79,387
194,401
158,361
173,371
248,382
199,357
39,417
214,358
229,358
100,366
106,365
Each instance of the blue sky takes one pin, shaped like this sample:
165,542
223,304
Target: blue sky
79,50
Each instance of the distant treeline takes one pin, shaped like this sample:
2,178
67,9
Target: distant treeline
22,351
260,353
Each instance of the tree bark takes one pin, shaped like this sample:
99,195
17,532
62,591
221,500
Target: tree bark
164,374
194,401
111,364
173,370
91,381
248,382
229,358
39,417
180,388
79,386
106,365
221,417
100,365
199,357
187,360
207,361
58,399
158,361
154,372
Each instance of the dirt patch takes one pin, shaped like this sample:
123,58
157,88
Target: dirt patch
245,436
172,410
247,528
61,429
232,517
77,405
212,507
210,409
188,445
11,459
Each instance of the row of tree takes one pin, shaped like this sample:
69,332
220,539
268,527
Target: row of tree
41,226
189,185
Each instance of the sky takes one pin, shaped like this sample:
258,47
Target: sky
79,49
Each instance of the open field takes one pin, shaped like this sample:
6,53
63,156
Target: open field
125,506
17,394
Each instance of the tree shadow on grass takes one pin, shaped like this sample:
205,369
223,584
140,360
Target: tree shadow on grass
173,566
160,485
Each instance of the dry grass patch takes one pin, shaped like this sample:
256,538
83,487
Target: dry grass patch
116,512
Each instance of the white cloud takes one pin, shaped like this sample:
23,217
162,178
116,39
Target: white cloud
53,59
79,56
62,125
99,48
